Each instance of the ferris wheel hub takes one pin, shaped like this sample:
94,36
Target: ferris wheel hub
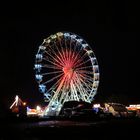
68,71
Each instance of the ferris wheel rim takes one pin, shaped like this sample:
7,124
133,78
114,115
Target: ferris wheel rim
95,81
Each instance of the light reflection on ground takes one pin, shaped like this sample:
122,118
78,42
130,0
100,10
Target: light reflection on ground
71,128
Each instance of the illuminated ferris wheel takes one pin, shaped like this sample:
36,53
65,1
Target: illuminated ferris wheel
66,70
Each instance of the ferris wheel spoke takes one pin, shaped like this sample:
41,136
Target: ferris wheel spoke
54,59
76,59
86,88
74,91
86,77
65,91
77,84
53,63
69,57
49,73
59,88
87,84
71,93
79,49
80,59
59,56
62,50
54,86
71,53
87,67
68,54
66,51
74,56
71,41
83,91
74,49
70,50
88,80
53,79
85,72
84,62
52,67
66,97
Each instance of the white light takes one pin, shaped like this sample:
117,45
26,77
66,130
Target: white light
16,98
66,34
96,105
90,51
39,56
59,34
137,106
38,66
84,45
38,77
79,40
38,108
53,36
42,47
73,36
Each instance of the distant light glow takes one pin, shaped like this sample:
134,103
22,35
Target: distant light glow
96,105
133,107
24,103
38,108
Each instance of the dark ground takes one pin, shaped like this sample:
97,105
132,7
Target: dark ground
70,129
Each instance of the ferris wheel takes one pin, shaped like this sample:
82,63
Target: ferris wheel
66,70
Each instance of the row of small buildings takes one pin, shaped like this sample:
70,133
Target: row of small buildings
74,108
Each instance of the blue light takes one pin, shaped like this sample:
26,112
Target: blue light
42,47
38,77
38,67
79,40
39,57
66,34
73,36
42,88
84,45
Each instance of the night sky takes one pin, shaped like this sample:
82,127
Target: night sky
109,27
